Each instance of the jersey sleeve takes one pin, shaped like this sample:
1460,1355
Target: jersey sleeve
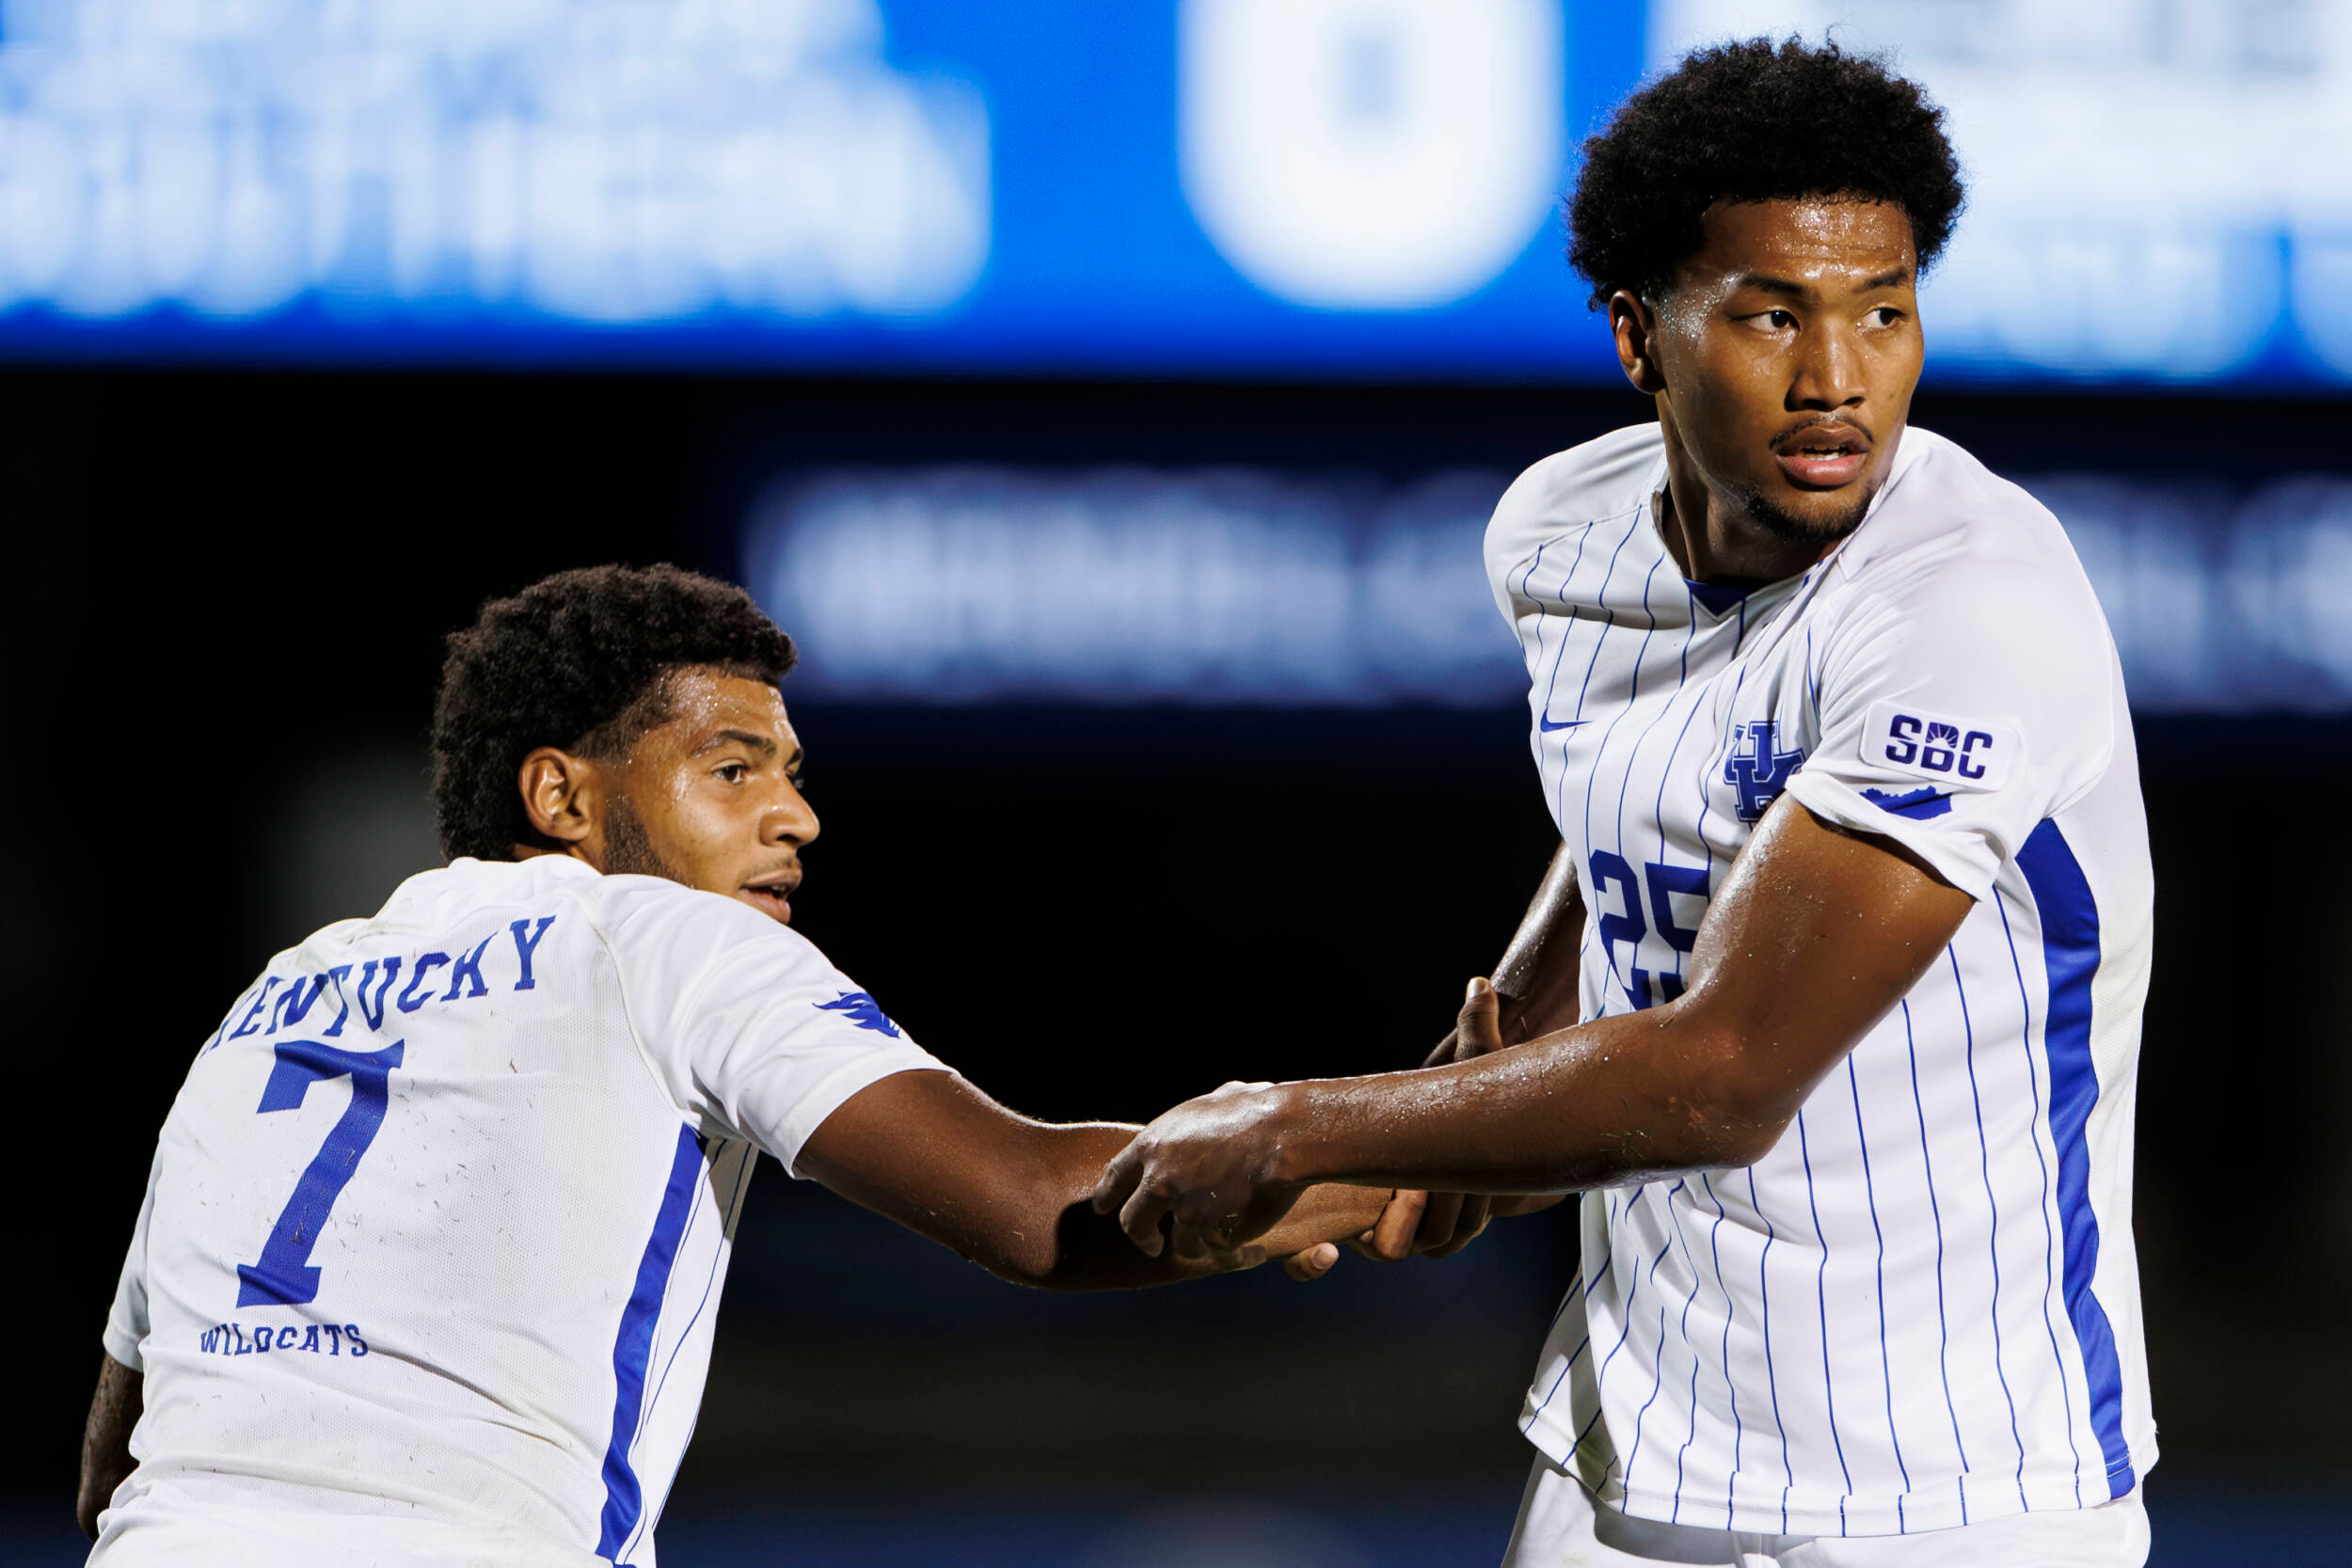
1957,712
1518,526
747,1025
127,1321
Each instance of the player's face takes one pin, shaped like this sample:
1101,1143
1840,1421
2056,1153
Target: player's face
711,798
1789,348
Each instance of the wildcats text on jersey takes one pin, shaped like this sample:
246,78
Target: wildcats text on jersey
233,1338
455,1187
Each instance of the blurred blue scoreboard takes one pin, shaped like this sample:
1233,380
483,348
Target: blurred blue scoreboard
2162,189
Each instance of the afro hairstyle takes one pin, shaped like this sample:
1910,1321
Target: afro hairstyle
1753,121
578,660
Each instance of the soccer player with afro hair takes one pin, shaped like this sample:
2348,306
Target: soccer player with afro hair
1828,1006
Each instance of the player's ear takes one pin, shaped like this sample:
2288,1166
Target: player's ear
1635,327
559,795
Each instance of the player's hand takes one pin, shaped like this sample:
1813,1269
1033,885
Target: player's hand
1312,1263
1442,1224
1207,1169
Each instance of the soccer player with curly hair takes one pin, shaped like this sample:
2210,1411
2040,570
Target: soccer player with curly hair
436,1231
1829,1007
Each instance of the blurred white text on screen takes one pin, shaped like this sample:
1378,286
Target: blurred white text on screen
1247,586
608,160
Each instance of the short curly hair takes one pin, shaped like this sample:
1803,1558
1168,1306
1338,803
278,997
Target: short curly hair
1754,121
581,660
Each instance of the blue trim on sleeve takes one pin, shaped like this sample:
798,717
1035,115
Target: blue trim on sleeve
1921,803
2070,949
633,1347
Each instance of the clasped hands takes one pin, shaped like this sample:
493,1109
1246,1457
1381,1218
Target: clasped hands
1215,1170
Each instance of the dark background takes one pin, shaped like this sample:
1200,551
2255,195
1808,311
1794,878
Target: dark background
225,598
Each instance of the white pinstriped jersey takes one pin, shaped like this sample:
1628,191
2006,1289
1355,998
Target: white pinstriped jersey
433,1246
1921,1309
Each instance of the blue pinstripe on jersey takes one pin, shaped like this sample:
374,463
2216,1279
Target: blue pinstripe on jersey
1820,1300
1600,633
1533,562
1624,1322
1691,1397
1723,744
1592,774
1585,1286
1772,1378
1739,1427
1551,684
1600,602
1657,1352
1812,679
1935,1212
1608,623
1975,1101
1633,695
2049,1237
1658,807
1657,1377
1886,1371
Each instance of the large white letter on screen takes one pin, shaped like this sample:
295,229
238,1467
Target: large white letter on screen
1371,154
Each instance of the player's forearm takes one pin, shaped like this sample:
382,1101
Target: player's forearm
1536,974
1813,939
1013,1194
1619,1099
114,1410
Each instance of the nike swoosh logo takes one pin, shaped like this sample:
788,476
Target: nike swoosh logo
1548,726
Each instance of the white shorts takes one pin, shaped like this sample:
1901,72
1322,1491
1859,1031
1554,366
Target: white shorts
1560,1526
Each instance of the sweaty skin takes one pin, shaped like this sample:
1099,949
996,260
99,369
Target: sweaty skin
709,797
1813,937
1781,361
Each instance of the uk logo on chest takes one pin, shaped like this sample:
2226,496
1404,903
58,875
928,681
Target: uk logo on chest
1759,766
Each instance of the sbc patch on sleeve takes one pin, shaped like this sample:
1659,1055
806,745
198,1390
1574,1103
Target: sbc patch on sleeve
1956,753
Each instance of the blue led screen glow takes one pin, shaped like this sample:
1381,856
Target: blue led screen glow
1242,586
2161,189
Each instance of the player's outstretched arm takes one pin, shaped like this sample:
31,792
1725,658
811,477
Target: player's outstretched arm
1815,934
1534,992
114,1410
1012,1194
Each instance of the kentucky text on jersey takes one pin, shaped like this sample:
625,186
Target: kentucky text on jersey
1921,1309
436,1229
283,1002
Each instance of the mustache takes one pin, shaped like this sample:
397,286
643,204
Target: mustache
1835,422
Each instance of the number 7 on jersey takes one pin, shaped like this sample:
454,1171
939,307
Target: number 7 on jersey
284,1275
